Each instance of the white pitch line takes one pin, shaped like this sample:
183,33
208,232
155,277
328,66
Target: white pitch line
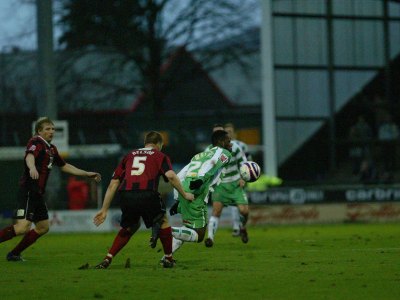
320,250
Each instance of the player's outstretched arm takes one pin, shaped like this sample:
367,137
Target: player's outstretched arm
70,169
176,183
101,216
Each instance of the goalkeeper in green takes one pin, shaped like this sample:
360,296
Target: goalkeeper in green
199,177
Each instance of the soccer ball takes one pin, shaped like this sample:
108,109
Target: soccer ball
250,171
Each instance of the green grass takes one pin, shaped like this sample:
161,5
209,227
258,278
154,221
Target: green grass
351,261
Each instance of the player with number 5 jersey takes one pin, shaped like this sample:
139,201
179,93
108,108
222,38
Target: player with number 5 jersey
136,179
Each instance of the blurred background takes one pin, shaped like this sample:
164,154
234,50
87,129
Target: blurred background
312,86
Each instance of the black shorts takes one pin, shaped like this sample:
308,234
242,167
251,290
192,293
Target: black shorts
31,206
146,204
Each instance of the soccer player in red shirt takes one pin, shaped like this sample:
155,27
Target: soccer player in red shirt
40,156
136,179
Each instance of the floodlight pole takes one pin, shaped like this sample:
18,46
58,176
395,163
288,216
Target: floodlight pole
44,13
3,94
268,92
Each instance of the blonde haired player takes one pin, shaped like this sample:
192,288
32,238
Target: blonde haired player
40,157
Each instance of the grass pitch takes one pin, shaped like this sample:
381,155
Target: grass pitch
351,261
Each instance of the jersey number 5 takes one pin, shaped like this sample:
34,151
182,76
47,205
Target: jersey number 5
138,165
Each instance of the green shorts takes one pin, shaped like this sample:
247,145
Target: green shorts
194,213
230,194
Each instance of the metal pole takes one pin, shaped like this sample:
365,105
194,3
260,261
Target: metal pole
386,47
3,95
46,59
331,87
268,93
5,50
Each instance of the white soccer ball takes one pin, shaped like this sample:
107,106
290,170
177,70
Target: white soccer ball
250,171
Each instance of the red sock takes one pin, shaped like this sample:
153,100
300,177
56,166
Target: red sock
120,241
28,239
7,233
166,240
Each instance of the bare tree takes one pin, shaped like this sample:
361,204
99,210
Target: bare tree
142,34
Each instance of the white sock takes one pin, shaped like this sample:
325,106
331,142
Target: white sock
235,218
185,234
212,227
176,244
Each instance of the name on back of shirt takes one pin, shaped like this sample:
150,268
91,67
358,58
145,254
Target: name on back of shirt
139,152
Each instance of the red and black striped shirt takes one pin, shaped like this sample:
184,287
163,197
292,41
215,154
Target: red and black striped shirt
46,155
141,169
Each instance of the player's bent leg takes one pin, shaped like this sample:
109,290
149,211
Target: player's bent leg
244,235
7,233
213,223
201,233
185,234
176,245
244,214
235,221
217,208
212,228
122,238
28,239
182,234
166,241
41,228
22,226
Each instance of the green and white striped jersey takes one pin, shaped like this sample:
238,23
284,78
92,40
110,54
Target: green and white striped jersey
244,148
230,173
207,166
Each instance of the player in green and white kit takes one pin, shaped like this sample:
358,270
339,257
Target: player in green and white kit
199,176
230,128
230,192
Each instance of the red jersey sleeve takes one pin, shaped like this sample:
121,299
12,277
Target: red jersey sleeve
119,172
166,165
58,160
34,146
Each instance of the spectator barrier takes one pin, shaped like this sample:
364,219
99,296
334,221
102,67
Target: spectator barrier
285,205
